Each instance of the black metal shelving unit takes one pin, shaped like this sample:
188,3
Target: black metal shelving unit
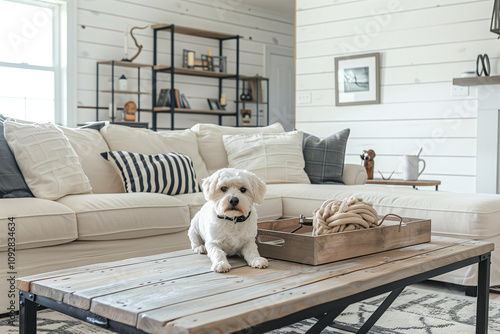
172,70
114,91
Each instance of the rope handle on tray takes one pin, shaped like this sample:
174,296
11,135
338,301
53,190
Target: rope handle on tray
392,214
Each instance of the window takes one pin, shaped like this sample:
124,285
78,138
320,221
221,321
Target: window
33,58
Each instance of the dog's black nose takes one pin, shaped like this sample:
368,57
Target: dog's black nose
234,201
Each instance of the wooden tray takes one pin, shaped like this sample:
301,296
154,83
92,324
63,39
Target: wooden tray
275,240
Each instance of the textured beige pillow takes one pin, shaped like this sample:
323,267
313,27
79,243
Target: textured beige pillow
211,146
88,145
274,157
47,160
144,141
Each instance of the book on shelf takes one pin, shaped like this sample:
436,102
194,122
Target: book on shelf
179,99
163,98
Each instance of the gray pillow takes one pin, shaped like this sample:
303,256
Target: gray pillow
325,157
12,182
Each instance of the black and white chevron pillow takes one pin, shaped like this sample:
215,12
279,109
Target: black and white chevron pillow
171,173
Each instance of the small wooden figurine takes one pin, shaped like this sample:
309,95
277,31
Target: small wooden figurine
130,109
367,157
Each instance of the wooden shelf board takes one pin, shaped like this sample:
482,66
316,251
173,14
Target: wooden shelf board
187,71
193,32
474,81
123,92
254,102
253,77
124,63
195,111
399,182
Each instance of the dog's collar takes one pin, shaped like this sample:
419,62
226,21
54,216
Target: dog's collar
239,219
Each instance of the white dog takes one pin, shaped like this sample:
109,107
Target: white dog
227,223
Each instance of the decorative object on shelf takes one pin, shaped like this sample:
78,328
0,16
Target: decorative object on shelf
207,62
367,157
112,112
125,44
483,65
247,94
357,79
246,114
222,101
122,83
129,111
383,177
135,41
495,18
213,104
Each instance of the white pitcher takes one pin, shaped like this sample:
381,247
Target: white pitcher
410,167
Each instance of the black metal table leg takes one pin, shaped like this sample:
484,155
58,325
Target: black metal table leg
326,320
483,298
27,313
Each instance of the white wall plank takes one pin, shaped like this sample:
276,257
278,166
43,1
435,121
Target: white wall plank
423,46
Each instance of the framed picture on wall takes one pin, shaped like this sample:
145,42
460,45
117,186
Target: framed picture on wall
357,79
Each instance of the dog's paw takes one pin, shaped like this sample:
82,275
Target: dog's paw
221,267
200,249
259,262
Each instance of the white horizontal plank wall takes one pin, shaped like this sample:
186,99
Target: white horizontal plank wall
423,45
101,27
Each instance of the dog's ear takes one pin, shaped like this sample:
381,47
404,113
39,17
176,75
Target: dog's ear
258,189
208,186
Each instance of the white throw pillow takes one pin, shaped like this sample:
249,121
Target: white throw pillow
144,141
47,160
274,157
88,145
211,146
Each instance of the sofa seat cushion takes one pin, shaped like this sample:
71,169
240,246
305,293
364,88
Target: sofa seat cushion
270,209
127,216
472,216
38,223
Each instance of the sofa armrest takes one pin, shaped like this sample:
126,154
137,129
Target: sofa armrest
354,174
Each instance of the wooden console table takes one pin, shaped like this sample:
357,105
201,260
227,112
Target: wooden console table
415,184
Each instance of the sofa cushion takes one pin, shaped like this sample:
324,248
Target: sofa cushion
38,223
211,146
471,216
88,145
127,216
144,141
47,160
171,173
12,182
273,157
324,158
270,209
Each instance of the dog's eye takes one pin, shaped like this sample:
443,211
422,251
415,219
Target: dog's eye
224,189
243,190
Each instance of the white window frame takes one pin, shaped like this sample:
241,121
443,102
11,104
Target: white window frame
63,56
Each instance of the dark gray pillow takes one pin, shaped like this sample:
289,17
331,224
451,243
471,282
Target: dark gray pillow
325,157
12,182
94,125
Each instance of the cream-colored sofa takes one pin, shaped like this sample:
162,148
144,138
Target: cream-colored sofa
109,224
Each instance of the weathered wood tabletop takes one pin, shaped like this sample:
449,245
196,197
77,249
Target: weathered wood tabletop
177,292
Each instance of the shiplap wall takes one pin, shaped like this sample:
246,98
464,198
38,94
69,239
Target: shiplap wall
423,45
101,37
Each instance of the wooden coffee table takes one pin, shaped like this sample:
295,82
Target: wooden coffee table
177,293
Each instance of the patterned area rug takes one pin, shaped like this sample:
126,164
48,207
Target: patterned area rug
416,310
